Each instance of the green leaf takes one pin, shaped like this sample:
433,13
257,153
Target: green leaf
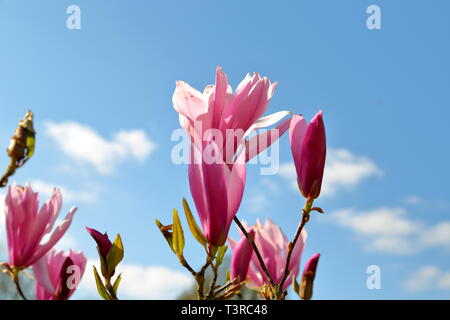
101,287
213,251
295,285
115,255
227,275
178,235
30,145
116,283
220,254
195,230
165,230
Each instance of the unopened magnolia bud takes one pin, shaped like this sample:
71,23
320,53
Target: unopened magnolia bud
309,273
21,147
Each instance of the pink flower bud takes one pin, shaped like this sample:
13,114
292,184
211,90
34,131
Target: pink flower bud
102,240
308,145
242,254
309,273
273,246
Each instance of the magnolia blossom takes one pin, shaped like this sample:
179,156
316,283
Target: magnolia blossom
218,122
273,246
229,118
26,225
308,145
58,274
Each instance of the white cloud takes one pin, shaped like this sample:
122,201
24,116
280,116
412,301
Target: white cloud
380,221
84,144
87,195
413,200
386,230
439,235
343,170
391,230
391,244
428,277
422,279
141,282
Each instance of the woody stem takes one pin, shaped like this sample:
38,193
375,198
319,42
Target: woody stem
305,217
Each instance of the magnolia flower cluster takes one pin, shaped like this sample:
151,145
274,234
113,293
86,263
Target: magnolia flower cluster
221,124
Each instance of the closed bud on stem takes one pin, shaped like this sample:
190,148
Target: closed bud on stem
110,253
242,254
309,273
308,146
21,147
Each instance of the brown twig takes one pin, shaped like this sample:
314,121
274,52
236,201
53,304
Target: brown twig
19,289
212,288
305,218
13,272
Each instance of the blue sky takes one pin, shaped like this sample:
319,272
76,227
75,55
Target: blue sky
385,99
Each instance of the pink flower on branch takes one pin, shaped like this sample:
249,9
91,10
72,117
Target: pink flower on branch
26,225
242,254
273,246
229,118
58,274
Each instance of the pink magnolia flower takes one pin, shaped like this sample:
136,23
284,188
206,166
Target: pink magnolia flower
219,122
58,274
242,254
26,225
308,145
273,246
217,191
220,109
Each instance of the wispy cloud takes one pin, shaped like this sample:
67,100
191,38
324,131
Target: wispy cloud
437,236
343,170
391,230
142,282
428,277
87,195
413,200
84,144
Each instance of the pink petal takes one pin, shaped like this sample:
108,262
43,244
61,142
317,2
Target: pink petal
262,141
297,132
54,238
